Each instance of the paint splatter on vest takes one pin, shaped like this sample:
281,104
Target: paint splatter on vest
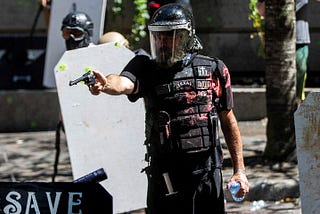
186,108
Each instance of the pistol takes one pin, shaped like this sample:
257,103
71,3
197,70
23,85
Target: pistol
88,78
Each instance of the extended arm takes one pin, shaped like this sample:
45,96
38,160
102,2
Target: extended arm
232,136
112,84
44,2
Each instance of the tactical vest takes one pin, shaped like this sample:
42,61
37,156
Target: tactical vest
187,117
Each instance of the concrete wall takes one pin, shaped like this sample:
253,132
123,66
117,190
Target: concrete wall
35,110
249,103
225,29
28,110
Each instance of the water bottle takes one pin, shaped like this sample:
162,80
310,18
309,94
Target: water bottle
234,188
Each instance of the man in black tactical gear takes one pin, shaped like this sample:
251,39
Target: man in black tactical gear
185,94
77,30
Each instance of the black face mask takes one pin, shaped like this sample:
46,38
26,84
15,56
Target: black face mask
71,44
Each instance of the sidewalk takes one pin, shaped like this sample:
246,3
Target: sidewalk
29,156
272,190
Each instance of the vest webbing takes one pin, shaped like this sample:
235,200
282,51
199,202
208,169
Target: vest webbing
187,103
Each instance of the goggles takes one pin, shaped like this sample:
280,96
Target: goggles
76,34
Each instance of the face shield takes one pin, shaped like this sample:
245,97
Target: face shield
168,46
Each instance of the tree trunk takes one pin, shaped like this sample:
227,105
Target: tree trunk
280,78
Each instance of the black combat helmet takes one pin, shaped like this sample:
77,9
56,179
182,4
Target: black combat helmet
172,34
77,30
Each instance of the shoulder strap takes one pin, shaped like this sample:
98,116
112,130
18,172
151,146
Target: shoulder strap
219,70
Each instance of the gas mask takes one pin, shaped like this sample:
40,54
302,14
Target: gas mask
77,30
75,38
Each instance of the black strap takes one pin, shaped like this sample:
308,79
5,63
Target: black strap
60,127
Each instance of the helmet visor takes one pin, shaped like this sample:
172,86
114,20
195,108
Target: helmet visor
168,47
76,33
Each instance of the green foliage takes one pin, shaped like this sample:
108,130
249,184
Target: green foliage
24,2
28,3
117,8
140,18
257,20
258,23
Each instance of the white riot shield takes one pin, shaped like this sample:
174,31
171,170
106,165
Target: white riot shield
56,44
103,131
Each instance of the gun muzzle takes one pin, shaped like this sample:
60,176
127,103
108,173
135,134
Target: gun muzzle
76,81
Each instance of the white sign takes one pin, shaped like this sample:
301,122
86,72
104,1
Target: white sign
55,43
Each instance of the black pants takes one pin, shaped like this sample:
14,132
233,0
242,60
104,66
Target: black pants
197,189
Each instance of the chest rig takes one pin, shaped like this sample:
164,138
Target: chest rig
187,117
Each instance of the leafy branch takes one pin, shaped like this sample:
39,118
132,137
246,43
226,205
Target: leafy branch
140,18
258,23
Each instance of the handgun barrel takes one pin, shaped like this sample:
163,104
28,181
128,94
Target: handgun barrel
88,78
76,81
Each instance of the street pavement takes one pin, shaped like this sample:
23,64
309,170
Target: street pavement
30,156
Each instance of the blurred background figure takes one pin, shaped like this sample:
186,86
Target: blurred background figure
302,47
302,44
119,40
77,30
46,4
114,37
